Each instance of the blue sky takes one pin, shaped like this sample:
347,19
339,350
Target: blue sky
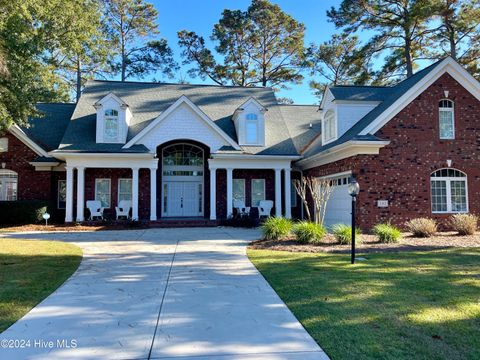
201,15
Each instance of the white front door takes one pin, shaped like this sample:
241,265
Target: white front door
183,199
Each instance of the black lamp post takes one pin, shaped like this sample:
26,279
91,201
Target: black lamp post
353,190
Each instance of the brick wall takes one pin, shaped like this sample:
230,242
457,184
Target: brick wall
401,172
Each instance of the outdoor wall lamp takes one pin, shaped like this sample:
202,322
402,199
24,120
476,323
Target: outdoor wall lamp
353,190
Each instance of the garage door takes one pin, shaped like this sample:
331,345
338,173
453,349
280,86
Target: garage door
339,207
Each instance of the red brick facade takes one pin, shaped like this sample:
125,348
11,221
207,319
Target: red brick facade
401,172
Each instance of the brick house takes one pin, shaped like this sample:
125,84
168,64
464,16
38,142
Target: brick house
188,151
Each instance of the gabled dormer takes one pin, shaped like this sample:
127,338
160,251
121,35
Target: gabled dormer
113,119
249,120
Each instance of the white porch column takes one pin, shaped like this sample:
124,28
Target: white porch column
80,193
229,192
135,193
278,192
213,194
153,194
69,195
288,194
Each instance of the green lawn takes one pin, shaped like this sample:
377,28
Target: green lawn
410,305
29,272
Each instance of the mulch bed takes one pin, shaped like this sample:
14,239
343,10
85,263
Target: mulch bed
370,244
94,226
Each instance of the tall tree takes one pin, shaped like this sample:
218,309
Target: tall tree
400,30
338,61
89,49
133,25
260,46
459,32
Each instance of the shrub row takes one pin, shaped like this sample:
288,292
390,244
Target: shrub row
23,211
463,224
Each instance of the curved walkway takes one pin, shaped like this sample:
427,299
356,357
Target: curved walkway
161,294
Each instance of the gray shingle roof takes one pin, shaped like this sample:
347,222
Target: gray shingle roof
361,93
394,94
47,131
298,119
148,100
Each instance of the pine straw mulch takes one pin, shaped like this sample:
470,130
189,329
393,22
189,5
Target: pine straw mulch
370,244
94,226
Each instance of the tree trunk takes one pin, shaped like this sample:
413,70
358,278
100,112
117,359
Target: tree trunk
79,78
122,50
408,57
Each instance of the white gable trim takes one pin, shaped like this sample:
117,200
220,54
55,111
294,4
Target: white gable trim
182,100
448,65
325,96
254,101
112,96
20,134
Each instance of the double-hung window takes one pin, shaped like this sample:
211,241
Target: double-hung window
8,185
111,125
102,192
124,189
239,190
62,194
449,191
251,128
258,191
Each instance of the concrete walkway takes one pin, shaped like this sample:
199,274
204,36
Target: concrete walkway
161,294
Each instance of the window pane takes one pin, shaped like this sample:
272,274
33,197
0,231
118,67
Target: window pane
258,191
124,189
239,189
62,194
293,194
459,195
8,185
446,124
111,128
439,195
252,132
102,191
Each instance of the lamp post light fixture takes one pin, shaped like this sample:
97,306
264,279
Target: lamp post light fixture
353,190
46,216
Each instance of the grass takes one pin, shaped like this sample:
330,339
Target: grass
409,305
29,272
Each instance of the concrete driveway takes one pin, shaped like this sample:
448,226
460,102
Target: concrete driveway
161,294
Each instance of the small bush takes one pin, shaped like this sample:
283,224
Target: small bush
464,224
387,233
275,228
309,232
343,234
422,227
23,211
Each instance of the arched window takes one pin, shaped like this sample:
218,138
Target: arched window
8,185
251,128
446,119
111,125
449,191
182,160
329,126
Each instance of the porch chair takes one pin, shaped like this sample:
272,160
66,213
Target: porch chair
241,208
96,209
123,208
265,208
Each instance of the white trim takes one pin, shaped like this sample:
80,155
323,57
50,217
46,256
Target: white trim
337,175
110,95
325,96
254,157
324,127
109,191
447,65
448,187
182,100
251,191
343,151
251,99
20,135
118,189
249,163
62,155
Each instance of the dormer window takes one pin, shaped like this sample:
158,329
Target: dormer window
111,125
446,119
329,126
251,127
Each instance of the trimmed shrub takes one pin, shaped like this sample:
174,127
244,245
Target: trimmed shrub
422,227
309,232
387,233
23,211
343,234
275,228
464,224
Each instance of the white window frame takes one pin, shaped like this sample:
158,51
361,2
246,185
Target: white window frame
118,189
293,192
448,180
452,112
333,135
251,191
109,191
10,174
106,118
58,193
3,144
242,180
250,119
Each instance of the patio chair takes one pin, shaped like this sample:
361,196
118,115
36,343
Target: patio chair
239,205
96,209
265,208
123,208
